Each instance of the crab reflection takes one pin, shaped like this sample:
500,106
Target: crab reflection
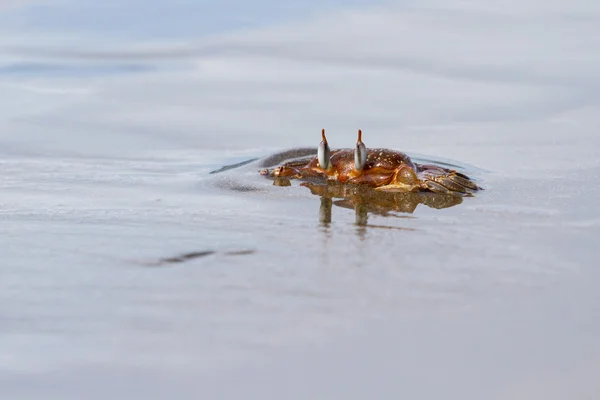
365,200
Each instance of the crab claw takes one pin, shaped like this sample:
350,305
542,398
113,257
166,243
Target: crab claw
324,153
360,153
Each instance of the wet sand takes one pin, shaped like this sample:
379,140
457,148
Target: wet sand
127,268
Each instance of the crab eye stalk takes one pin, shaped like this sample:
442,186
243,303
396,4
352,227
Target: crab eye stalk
360,153
324,153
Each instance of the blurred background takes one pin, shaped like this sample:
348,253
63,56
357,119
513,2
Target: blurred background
113,114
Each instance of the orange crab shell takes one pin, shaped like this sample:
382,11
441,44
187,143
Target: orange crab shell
381,167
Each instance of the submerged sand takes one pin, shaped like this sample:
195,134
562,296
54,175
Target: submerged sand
128,268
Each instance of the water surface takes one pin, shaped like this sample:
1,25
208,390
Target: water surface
128,268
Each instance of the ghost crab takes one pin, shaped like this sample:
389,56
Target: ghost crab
382,169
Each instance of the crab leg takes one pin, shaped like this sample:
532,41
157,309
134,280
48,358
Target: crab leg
448,178
435,187
451,180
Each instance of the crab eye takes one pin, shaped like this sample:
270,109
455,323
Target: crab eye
324,153
360,153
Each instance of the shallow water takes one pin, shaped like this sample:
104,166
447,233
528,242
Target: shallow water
128,268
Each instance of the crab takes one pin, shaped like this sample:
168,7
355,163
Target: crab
381,169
